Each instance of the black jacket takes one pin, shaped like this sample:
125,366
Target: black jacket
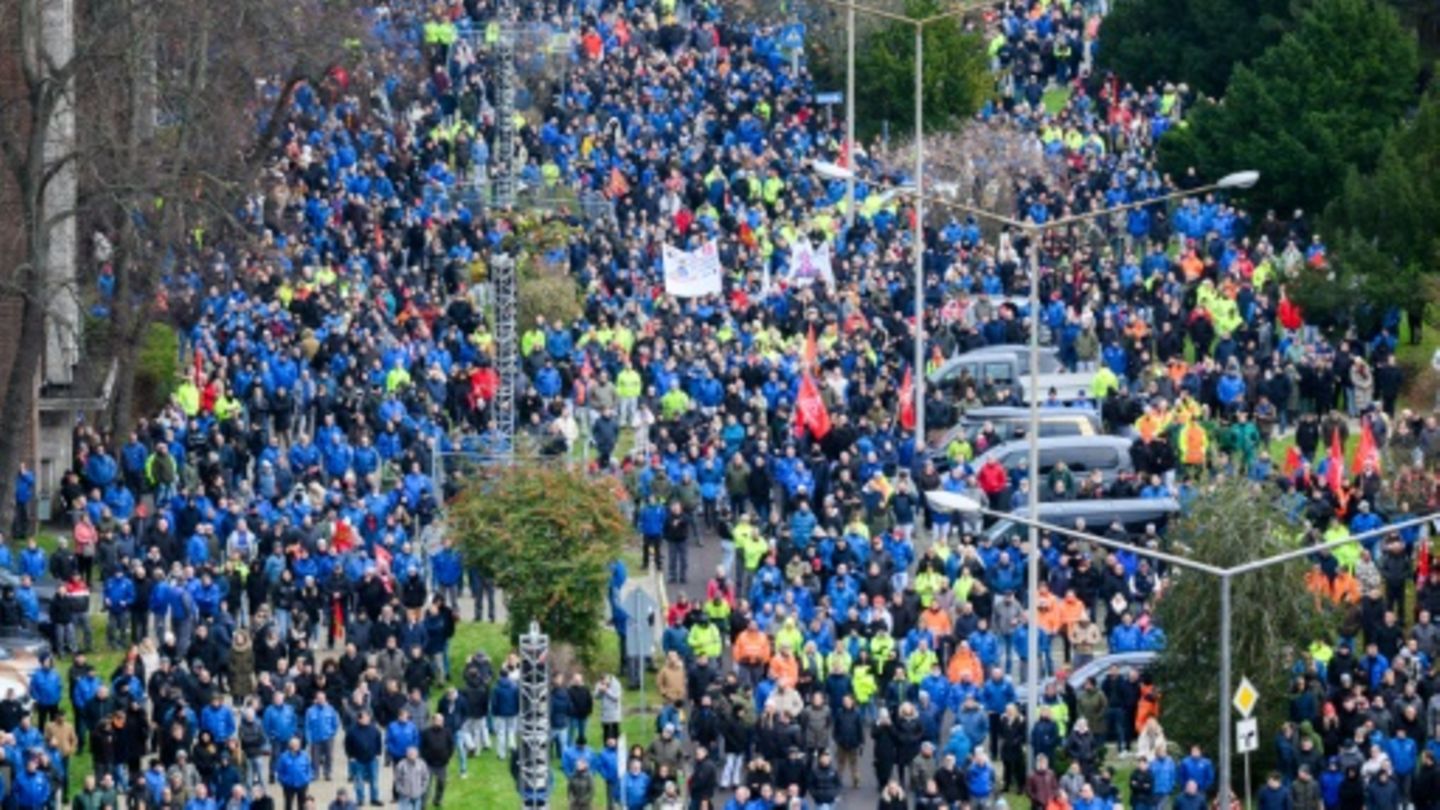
437,746
362,742
849,730
824,784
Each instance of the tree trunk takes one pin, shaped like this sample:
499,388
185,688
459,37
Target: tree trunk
122,396
19,405
1415,313
127,328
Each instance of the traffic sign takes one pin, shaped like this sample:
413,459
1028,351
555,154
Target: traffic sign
1247,735
1245,698
792,37
829,99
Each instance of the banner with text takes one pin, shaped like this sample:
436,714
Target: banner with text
691,274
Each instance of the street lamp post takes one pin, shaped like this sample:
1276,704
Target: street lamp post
1032,560
850,114
917,374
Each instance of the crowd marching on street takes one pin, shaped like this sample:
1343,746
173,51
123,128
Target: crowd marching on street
269,548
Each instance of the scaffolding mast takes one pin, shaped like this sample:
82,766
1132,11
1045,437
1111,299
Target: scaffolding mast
505,78
504,294
534,753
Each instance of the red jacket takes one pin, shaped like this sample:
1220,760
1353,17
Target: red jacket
992,478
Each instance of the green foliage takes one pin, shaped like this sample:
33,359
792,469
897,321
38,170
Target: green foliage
1198,42
1384,244
547,535
956,81
1308,109
1233,521
157,369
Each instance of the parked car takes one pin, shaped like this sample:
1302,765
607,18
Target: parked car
1008,366
1096,668
1009,423
1081,455
1134,514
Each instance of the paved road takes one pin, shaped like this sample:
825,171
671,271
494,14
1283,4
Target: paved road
703,562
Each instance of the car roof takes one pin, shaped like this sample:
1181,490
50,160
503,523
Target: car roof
1097,667
1052,442
1103,507
1016,412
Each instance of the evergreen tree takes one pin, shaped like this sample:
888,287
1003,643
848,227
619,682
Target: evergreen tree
956,83
1308,109
1198,42
1273,620
546,535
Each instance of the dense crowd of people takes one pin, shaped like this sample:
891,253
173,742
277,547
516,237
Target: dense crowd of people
268,547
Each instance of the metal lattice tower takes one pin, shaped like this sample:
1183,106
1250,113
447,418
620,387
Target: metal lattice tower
504,294
505,80
534,753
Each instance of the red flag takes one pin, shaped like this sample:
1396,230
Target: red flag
1335,469
344,537
907,401
844,160
812,350
1292,460
199,367
1366,450
383,558
1422,567
810,412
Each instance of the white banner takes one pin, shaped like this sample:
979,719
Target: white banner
809,264
694,273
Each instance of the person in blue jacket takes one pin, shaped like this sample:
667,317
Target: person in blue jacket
119,593
32,561
652,529
1125,637
1164,775
45,690
635,787
400,736
980,778
295,774
446,570
505,710
322,724
281,725
1197,768
32,788
24,494
218,719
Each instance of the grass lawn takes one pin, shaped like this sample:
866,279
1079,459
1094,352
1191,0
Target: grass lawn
1421,383
1055,98
489,784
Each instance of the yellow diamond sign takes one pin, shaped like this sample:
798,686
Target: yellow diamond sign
1245,697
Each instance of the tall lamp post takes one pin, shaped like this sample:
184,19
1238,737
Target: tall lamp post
1034,232
919,24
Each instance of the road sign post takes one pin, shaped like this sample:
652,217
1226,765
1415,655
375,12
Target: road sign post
1247,731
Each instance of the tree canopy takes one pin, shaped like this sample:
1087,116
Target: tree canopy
1308,109
1383,244
546,535
1198,42
1231,522
956,81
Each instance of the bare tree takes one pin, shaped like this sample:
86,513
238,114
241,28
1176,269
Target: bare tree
178,104
984,164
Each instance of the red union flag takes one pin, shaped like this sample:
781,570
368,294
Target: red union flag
1366,450
810,413
907,401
